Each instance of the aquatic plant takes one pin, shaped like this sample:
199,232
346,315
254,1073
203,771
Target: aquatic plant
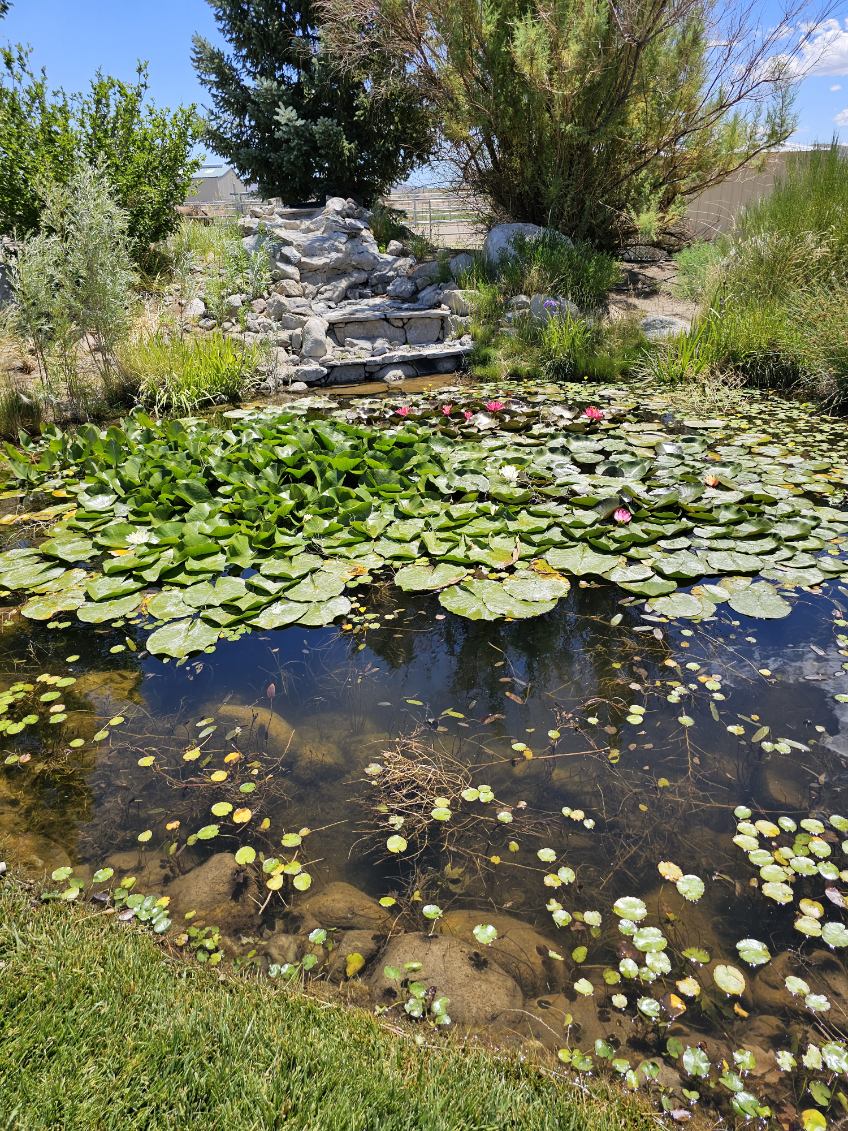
271,517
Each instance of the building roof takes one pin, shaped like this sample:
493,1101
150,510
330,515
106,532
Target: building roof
212,172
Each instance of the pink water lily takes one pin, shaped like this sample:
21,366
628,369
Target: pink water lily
467,414
404,410
622,515
447,409
593,413
494,406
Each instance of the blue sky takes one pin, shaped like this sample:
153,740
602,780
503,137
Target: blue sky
72,38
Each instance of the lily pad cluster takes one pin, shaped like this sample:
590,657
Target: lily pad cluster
270,517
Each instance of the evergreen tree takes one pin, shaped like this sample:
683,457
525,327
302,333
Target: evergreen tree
289,120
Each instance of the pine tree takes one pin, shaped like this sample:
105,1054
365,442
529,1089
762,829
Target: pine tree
288,120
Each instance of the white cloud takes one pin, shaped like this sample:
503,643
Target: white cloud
835,86
841,118
825,51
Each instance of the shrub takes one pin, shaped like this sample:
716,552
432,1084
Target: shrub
73,281
593,118
571,348
684,357
20,411
228,268
182,374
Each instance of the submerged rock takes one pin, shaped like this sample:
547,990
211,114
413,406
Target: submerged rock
366,944
265,726
478,990
343,906
519,950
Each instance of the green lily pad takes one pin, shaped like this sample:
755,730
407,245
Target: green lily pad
760,600
182,637
99,611
420,578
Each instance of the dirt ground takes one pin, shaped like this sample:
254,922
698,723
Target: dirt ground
645,290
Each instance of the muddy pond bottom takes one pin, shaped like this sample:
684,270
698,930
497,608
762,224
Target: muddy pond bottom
603,832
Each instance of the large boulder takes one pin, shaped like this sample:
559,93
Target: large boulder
263,726
498,242
519,950
478,989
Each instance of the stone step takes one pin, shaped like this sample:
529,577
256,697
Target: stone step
408,361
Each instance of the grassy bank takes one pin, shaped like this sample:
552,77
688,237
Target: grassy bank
100,1029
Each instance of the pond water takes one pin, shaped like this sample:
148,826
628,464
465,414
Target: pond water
540,812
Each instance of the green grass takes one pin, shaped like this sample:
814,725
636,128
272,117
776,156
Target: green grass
551,265
182,373
101,1030
774,293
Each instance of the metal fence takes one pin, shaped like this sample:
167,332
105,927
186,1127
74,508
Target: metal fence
450,218
447,217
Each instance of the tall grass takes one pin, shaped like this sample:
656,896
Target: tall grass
227,267
548,264
775,291
182,374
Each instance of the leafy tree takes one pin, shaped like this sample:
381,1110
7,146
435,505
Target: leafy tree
596,117
290,121
144,152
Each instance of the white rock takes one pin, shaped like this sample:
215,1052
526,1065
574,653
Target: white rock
310,373
557,308
315,343
499,240
395,374
194,310
459,263
459,302
394,247
401,288
658,327
299,386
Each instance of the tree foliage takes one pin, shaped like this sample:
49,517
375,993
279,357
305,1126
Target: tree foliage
290,121
144,152
594,117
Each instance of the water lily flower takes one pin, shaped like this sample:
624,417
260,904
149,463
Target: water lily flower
622,515
509,472
467,414
493,406
593,413
404,410
711,480
447,409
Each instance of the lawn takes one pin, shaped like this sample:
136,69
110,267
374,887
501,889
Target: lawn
100,1028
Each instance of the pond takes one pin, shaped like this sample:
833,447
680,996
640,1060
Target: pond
581,783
